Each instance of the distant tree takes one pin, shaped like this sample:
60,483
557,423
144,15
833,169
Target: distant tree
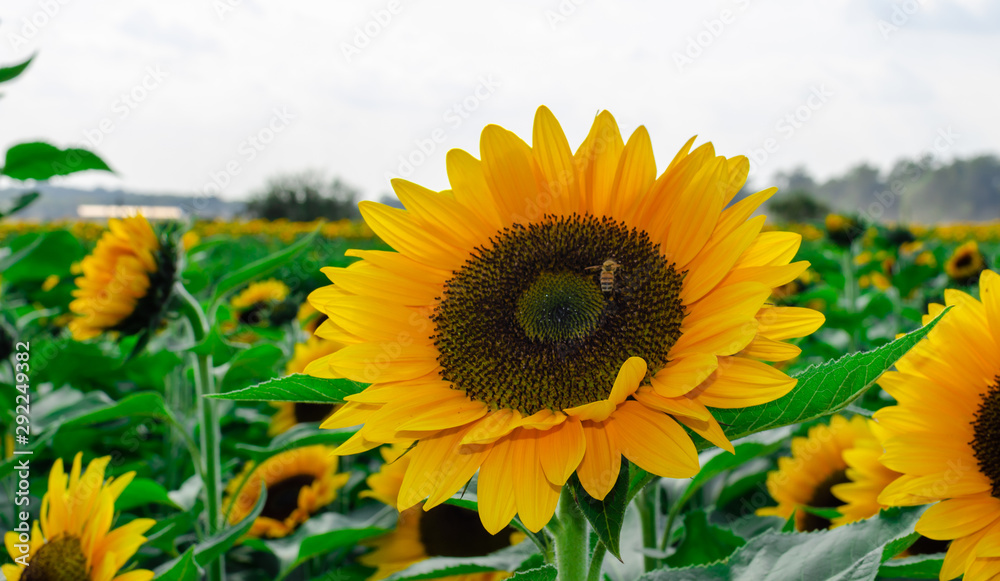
797,206
797,179
303,197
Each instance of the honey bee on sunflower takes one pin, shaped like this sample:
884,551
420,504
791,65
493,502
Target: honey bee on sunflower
486,340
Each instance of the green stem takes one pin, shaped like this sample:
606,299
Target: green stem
596,562
648,515
571,541
671,517
210,435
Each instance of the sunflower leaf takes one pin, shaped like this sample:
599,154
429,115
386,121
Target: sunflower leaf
543,573
506,559
606,516
12,72
261,267
918,567
703,543
298,388
184,569
41,161
821,389
215,546
853,551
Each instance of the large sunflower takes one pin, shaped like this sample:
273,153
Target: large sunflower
299,483
126,281
73,538
443,531
867,477
944,433
553,312
814,471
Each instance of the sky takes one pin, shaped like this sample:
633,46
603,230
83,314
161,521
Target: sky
216,96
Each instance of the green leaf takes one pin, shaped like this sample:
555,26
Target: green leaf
213,547
184,569
319,536
11,72
918,567
703,543
821,389
851,552
506,559
899,545
722,461
41,161
19,203
250,366
297,437
543,573
143,491
35,257
213,344
827,513
605,516
298,388
261,267
147,403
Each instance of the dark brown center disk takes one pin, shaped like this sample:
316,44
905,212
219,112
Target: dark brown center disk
538,320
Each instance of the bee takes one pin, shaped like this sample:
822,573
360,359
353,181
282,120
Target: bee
608,269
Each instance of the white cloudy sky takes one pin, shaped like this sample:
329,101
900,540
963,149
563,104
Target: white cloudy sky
217,71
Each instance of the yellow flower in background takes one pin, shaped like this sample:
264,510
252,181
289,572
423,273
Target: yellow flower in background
944,433
309,318
816,467
190,239
73,539
126,281
256,293
842,230
443,531
553,312
290,414
965,263
867,477
305,353
253,305
50,282
299,483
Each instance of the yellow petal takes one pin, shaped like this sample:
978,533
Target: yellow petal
742,382
598,471
555,161
561,449
495,491
536,497
653,441
630,375
682,375
597,158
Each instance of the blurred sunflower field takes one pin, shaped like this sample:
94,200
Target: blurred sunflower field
653,384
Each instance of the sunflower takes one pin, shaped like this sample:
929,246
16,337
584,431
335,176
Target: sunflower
554,312
262,304
126,281
291,413
944,433
842,230
73,538
816,466
965,263
299,482
443,531
867,477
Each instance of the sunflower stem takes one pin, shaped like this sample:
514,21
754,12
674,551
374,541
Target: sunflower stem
210,435
850,294
571,541
596,562
648,515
